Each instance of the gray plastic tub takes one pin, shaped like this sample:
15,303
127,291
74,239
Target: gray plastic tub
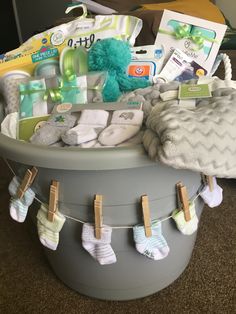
121,175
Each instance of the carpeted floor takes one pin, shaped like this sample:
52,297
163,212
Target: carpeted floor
208,285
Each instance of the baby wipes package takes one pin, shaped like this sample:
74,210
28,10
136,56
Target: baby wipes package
81,31
146,61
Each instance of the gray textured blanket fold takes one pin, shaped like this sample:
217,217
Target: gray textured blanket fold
201,139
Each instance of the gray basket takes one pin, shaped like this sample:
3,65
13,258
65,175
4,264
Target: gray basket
121,175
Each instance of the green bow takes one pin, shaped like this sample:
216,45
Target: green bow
70,75
184,31
54,93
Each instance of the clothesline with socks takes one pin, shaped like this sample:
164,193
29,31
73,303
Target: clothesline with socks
96,237
192,199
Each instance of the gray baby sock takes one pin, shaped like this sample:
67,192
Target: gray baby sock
52,130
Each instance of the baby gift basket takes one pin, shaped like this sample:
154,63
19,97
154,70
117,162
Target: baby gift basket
116,222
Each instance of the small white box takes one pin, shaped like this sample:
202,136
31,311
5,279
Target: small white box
198,38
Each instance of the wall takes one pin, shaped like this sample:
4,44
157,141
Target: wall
228,7
36,16
8,35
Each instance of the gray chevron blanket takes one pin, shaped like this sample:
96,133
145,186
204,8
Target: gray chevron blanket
200,138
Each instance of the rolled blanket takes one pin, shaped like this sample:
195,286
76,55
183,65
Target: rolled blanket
201,139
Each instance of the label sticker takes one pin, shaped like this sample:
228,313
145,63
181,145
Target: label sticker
194,91
44,53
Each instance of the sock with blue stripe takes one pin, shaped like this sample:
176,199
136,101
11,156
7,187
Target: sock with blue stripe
154,247
19,207
48,231
99,249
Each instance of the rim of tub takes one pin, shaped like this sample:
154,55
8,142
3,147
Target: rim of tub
73,158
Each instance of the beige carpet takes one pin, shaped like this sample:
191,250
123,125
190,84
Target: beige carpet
28,285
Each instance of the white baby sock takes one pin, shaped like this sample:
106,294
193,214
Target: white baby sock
99,249
88,144
212,198
124,125
19,207
48,231
135,140
9,125
186,227
154,247
90,124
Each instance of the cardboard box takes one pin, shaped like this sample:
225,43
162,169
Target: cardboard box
198,38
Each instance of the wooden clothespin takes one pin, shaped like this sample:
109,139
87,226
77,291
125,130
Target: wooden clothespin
183,198
27,181
53,200
208,180
98,216
146,216
210,183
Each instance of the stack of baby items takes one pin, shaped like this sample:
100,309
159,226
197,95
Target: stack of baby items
84,87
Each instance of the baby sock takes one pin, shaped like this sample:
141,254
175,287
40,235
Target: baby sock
53,128
124,125
186,227
19,207
212,198
99,249
154,247
89,144
90,124
135,140
9,125
48,231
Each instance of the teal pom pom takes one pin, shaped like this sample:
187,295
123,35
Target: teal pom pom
109,54
114,56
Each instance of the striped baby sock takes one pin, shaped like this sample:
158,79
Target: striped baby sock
99,249
212,198
154,247
48,231
19,207
186,227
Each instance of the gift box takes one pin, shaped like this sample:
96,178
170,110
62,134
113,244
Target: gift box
198,38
